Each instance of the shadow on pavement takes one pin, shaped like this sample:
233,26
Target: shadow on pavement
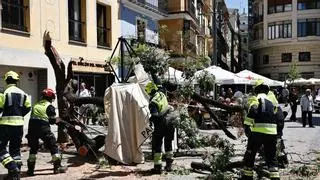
104,174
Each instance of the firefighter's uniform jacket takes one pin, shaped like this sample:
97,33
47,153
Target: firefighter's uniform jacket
163,128
43,114
14,105
262,121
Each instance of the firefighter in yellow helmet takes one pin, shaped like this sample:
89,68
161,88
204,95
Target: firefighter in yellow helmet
43,114
262,124
14,105
163,127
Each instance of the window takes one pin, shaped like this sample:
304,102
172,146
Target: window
103,25
308,4
286,57
307,75
278,6
283,76
281,29
15,14
308,27
304,56
77,28
265,59
141,30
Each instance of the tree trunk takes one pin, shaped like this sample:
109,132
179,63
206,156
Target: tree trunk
61,84
67,99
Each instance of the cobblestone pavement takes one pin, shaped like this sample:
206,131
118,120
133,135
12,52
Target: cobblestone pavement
302,145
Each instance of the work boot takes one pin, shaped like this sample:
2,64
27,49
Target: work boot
58,168
157,169
168,167
13,174
31,166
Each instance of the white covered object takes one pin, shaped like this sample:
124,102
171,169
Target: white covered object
128,126
251,76
223,76
173,75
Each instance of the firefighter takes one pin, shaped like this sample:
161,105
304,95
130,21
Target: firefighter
43,114
163,127
14,105
261,122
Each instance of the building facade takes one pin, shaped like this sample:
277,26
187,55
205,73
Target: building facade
284,32
186,25
139,19
234,60
245,54
84,31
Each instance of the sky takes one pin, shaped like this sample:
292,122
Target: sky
239,4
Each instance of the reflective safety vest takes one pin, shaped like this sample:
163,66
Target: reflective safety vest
262,113
39,111
15,104
273,99
249,121
160,100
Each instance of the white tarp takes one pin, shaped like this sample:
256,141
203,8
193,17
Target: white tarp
302,81
251,76
173,75
223,76
128,125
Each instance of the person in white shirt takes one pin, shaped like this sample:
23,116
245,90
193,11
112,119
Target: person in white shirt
83,92
306,103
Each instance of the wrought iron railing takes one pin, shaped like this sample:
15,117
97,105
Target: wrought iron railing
76,29
103,36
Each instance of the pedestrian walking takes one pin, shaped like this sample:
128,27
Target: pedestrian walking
163,127
293,100
14,105
261,128
306,103
43,114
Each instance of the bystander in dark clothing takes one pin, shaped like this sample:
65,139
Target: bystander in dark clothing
293,100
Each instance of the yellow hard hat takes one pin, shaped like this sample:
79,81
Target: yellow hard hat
11,74
151,86
258,82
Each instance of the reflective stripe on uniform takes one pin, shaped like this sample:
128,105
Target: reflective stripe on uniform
32,158
17,158
247,172
157,159
7,160
169,154
12,120
56,157
21,100
9,99
265,128
267,125
263,106
274,174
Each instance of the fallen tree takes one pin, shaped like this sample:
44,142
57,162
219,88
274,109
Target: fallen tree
67,100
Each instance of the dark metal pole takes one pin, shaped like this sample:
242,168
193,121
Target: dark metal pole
214,29
122,59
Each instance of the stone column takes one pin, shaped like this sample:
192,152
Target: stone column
294,19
